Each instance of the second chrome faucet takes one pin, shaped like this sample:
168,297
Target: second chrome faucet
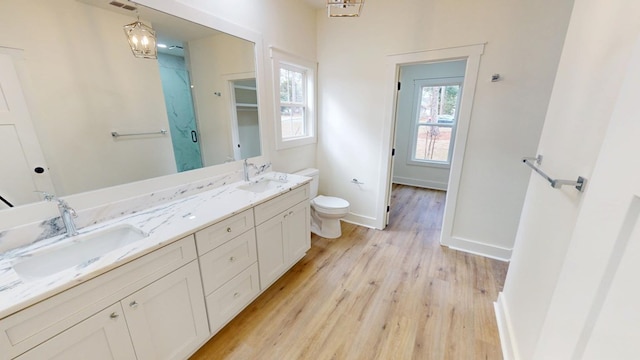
67,213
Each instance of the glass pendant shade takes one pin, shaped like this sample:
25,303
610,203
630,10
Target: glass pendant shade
142,40
344,8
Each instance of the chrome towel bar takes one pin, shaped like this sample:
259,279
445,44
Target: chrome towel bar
555,183
116,134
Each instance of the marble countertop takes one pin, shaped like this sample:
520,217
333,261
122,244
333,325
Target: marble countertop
164,223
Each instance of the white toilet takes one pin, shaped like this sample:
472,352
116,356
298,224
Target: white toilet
326,211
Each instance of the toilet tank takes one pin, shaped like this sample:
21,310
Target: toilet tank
314,174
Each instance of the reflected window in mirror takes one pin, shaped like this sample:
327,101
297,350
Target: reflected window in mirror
294,81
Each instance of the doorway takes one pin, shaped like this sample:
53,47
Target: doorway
471,54
426,123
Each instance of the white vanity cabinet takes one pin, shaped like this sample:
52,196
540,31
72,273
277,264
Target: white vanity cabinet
167,303
103,336
150,308
228,265
282,233
167,319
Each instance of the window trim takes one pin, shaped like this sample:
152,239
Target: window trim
418,86
280,59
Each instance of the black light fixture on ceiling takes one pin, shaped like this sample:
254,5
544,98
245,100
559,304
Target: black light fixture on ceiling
142,39
344,8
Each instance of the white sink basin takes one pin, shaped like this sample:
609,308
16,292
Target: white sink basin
80,250
261,185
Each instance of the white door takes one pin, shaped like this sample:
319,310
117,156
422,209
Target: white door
595,312
23,167
610,218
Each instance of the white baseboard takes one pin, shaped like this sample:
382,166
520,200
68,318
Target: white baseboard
477,248
361,220
420,183
509,349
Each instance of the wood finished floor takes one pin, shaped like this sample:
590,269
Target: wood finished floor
392,294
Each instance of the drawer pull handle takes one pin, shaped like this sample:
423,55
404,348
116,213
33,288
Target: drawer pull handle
236,295
133,304
114,315
229,229
232,259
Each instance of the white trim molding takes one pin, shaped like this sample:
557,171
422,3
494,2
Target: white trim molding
509,348
429,184
478,248
360,220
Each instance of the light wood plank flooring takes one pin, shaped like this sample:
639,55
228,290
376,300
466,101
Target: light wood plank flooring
392,294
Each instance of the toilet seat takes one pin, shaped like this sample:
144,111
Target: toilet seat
330,204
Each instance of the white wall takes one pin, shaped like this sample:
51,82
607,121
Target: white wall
523,45
596,51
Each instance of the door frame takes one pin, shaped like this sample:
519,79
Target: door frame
470,53
233,116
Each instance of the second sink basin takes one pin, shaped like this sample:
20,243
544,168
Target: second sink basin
80,250
261,185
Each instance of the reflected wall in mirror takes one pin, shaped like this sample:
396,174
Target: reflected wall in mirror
81,82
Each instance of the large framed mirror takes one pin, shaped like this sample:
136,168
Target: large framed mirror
102,117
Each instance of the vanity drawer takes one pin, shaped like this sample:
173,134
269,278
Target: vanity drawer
215,235
227,260
273,207
224,303
40,322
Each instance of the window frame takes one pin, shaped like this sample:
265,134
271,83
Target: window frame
281,59
415,120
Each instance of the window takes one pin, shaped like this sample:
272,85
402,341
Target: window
435,121
293,104
294,81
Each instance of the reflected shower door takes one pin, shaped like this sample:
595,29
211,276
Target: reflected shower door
182,119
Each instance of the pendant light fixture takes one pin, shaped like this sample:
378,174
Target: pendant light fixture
142,40
344,8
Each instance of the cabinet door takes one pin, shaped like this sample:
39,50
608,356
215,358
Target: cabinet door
167,319
298,232
272,249
101,336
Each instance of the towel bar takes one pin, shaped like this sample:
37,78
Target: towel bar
555,183
116,134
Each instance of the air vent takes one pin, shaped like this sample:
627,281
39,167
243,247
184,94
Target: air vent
122,6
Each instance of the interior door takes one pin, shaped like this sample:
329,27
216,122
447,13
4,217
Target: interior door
595,313
22,163
610,218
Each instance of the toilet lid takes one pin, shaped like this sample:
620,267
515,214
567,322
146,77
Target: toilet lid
330,202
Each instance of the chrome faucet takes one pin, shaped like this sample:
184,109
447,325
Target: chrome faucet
67,213
245,167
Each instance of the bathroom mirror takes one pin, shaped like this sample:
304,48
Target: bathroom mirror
103,117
